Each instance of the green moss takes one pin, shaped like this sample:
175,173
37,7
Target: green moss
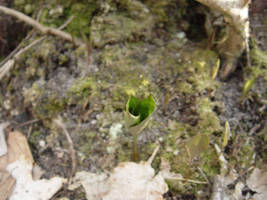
244,149
259,62
45,50
53,106
87,139
124,74
118,28
82,89
167,13
198,70
62,59
208,121
83,14
35,137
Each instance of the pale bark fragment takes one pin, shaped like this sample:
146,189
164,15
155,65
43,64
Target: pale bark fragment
236,16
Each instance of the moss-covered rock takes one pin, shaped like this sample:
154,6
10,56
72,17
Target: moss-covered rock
118,28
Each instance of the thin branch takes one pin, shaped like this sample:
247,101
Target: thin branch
6,68
8,64
59,122
151,158
66,23
186,180
16,49
204,175
43,29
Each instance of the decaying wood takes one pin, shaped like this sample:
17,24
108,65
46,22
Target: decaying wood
236,16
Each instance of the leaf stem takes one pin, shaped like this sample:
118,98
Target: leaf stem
135,148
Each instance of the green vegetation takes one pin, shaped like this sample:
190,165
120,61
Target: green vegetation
137,115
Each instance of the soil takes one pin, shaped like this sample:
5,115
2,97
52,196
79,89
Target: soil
55,78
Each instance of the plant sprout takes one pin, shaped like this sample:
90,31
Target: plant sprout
138,112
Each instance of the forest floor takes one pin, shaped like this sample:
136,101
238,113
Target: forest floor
90,91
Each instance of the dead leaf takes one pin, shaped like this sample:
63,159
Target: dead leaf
6,184
3,146
128,181
165,172
133,181
19,163
94,184
258,183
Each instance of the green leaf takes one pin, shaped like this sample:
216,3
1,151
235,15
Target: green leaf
248,85
138,112
227,133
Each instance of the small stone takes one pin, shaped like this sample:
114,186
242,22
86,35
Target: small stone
7,104
176,152
42,143
93,121
180,35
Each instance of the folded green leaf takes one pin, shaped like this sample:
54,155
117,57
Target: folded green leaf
138,113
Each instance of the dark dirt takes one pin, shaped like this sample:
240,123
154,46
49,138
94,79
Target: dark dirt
54,78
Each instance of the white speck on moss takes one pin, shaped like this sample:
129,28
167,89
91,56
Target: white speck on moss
114,130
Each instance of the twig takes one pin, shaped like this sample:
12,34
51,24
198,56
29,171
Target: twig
6,68
27,123
10,63
66,23
150,160
43,29
16,49
40,39
204,175
59,122
39,14
185,179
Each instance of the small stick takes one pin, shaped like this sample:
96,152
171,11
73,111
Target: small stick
184,179
27,123
150,160
43,29
8,64
15,50
204,175
59,122
41,38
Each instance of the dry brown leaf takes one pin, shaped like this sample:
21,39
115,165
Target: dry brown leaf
18,148
134,181
128,181
19,163
6,184
258,183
